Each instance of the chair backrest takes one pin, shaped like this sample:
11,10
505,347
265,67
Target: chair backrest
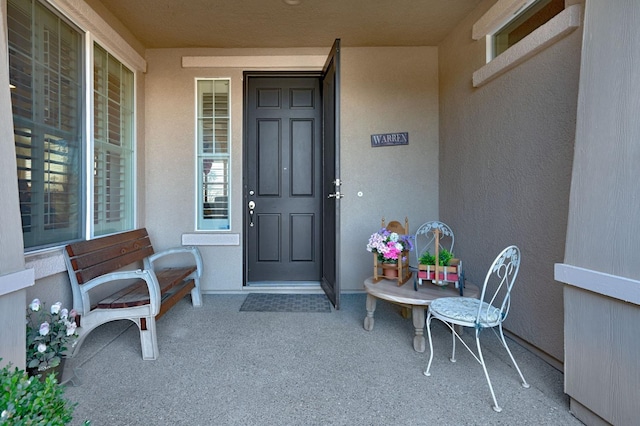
496,290
397,227
425,238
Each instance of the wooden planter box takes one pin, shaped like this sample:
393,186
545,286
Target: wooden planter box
446,274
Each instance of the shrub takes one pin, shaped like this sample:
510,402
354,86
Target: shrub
26,400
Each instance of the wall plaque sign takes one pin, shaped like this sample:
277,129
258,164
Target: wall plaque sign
387,139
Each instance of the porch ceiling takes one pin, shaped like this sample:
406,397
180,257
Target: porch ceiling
274,23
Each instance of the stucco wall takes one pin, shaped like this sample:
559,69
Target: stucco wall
384,90
506,152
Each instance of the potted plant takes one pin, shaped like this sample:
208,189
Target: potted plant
26,401
447,267
389,248
49,334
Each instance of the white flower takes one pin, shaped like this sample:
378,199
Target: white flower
35,305
44,328
55,308
42,348
394,237
64,314
71,328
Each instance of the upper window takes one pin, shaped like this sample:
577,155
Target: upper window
524,23
213,136
46,59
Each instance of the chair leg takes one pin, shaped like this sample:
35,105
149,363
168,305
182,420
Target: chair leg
453,345
496,407
428,323
504,343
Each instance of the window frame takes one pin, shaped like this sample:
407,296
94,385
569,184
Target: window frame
92,30
214,225
547,34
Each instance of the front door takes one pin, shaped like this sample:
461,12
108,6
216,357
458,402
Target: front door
283,179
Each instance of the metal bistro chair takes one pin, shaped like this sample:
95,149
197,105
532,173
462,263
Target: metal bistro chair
481,313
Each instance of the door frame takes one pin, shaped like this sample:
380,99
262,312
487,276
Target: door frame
245,226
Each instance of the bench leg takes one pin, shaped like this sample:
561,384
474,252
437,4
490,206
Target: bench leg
148,339
196,296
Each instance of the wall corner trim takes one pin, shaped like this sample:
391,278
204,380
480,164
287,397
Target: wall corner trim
617,287
15,281
557,28
210,239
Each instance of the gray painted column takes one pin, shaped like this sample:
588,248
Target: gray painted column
12,275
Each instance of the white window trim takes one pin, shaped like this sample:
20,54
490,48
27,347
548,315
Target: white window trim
196,164
82,15
555,29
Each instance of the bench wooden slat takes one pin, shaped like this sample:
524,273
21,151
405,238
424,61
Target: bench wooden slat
83,247
137,293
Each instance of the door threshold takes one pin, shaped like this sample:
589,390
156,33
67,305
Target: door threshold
285,286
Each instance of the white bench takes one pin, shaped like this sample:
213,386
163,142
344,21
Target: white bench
108,265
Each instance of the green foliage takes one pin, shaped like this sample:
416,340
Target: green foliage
444,256
26,400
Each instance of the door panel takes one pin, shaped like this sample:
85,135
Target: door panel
331,175
283,179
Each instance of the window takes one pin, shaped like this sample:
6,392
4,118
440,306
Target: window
523,24
113,123
516,30
213,136
45,66
46,62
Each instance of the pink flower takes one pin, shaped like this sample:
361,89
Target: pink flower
44,328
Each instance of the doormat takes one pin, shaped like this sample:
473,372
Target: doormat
262,302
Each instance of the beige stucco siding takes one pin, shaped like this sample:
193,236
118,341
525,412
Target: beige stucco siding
506,156
383,90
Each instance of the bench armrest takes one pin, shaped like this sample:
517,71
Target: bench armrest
148,276
149,261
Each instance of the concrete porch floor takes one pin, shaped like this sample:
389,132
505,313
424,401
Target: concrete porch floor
220,366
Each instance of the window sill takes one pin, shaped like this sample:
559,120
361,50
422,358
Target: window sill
210,239
46,263
557,28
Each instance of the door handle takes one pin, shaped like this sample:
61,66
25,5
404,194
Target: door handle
252,205
337,195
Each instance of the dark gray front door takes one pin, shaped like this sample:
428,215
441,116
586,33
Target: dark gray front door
283,178
331,175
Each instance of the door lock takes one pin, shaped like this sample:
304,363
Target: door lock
252,205
337,195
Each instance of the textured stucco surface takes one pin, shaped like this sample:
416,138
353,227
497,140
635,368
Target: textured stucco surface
384,90
506,152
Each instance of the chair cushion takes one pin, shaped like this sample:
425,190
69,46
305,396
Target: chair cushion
465,309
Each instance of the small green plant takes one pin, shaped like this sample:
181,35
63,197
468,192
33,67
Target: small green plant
444,256
26,400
